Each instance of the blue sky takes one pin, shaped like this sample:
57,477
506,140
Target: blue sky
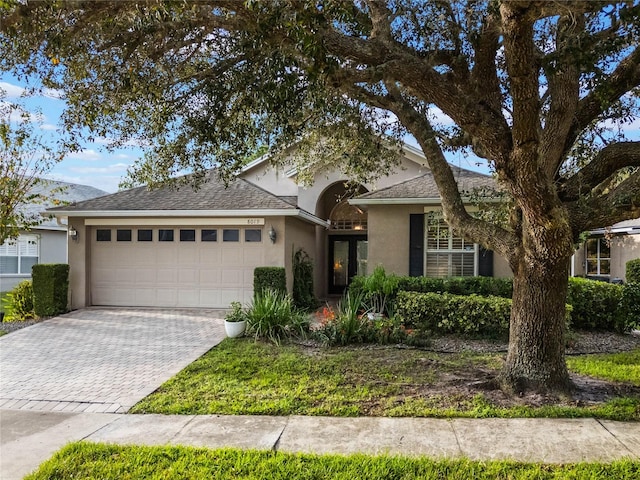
103,169
93,165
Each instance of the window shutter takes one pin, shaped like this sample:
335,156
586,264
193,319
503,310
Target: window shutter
485,262
416,244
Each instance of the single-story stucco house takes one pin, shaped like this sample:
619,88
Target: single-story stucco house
198,248
45,243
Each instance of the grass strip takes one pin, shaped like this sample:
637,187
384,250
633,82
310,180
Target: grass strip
83,460
249,378
616,367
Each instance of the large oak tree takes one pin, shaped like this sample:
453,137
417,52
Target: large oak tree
537,88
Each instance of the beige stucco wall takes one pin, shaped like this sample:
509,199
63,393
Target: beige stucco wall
388,236
308,196
623,249
501,268
276,181
79,265
389,240
299,234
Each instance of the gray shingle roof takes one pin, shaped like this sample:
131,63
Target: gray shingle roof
424,186
60,191
211,195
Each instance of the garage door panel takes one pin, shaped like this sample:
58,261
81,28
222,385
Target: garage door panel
210,298
188,276
232,277
210,276
145,296
174,274
188,256
209,256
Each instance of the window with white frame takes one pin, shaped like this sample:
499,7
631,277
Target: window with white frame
447,255
19,255
598,256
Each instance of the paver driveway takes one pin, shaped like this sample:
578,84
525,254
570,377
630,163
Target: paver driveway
101,359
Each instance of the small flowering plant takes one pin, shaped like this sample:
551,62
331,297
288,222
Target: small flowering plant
237,314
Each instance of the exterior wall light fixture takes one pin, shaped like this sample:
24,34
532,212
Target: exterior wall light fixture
73,233
272,234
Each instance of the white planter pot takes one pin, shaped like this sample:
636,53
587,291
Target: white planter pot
235,329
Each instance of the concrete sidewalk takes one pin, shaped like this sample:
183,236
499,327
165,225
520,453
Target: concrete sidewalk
30,437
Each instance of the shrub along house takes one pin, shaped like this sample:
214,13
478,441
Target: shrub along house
185,248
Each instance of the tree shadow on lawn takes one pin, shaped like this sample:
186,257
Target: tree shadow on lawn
473,387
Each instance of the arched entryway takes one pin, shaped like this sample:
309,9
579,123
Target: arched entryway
345,243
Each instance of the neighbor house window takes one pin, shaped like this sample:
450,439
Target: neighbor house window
598,256
165,235
19,255
231,235
447,255
252,235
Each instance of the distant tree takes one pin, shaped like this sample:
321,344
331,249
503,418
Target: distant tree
24,158
540,89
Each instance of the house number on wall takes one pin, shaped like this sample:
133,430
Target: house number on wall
255,221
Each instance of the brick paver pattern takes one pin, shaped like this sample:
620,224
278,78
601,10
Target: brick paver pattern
101,359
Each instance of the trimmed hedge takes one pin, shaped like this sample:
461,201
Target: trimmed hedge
595,304
471,315
462,314
629,309
269,278
633,271
50,289
484,286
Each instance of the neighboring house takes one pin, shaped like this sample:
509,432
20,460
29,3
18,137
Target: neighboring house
605,253
186,248
45,243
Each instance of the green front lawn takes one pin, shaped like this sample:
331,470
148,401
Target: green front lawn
100,461
616,367
244,377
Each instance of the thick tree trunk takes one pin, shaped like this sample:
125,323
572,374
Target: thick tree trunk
535,360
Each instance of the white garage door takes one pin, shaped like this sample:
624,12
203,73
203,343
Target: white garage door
174,267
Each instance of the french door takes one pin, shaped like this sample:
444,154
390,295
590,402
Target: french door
347,258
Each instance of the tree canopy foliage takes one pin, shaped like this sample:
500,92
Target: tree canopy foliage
540,89
24,158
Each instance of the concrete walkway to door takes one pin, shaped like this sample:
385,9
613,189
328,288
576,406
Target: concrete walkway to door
101,360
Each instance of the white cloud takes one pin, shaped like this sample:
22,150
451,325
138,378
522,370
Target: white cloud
53,93
12,91
48,126
86,154
113,168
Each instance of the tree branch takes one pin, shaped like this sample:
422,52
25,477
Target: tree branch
606,163
488,234
564,90
619,204
625,77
